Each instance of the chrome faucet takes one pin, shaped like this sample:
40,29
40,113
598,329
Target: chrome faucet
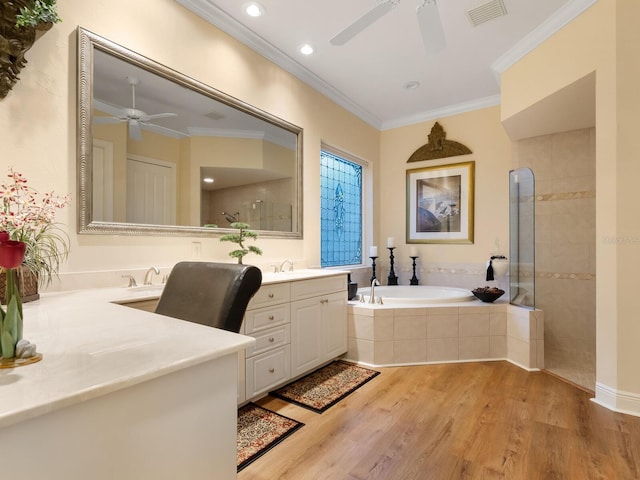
150,272
284,262
132,280
374,282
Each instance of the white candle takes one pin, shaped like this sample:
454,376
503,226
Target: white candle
413,252
373,251
390,242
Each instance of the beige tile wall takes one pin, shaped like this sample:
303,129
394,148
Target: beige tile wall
564,169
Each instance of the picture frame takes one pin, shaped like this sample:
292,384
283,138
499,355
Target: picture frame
440,203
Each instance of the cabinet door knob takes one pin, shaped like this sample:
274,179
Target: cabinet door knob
271,295
271,370
271,339
271,317
324,300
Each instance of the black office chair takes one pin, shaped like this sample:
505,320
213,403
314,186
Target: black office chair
213,294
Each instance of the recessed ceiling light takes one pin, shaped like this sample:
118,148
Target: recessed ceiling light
306,49
207,180
412,85
253,9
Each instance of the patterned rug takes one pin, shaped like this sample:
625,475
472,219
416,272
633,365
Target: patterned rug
259,430
325,387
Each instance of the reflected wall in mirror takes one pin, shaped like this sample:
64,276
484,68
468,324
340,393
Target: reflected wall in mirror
162,153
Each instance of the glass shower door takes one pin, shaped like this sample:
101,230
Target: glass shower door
522,237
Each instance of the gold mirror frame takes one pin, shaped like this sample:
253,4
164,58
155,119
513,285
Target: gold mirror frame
88,42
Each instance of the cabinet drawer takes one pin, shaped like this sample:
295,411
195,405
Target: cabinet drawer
318,286
270,295
268,370
268,339
263,318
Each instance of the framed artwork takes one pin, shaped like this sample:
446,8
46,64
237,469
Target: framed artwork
440,204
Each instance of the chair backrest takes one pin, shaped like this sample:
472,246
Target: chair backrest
214,294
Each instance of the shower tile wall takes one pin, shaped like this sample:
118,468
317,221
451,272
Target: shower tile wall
564,169
264,205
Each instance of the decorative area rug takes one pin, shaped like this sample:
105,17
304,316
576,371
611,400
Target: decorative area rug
259,430
325,387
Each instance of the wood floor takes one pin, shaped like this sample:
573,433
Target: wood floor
488,420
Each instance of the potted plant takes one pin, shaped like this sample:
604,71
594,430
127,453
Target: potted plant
37,13
239,238
29,217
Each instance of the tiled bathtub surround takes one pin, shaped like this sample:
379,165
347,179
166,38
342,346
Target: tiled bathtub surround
460,275
381,335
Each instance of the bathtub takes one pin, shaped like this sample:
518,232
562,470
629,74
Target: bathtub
419,325
418,294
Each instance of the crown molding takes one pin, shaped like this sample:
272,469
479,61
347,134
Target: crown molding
222,20
565,15
447,111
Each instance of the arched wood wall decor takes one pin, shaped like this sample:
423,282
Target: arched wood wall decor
438,147
14,43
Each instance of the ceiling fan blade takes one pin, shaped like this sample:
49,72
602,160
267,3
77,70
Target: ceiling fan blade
363,22
163,130
103,120
430,26
135,132
146,118
113,110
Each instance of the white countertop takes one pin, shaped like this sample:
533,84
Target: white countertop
92,347
302,274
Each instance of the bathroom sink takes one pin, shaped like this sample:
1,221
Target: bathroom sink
145,288
140,292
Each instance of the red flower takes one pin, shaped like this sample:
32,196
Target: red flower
11,253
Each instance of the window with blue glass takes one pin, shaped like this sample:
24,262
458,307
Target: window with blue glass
340,211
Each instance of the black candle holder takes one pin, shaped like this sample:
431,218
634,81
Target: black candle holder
391,279
373,269
414,280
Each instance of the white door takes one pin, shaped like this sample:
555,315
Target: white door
151,191
102,176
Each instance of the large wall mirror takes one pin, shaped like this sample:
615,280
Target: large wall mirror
162,153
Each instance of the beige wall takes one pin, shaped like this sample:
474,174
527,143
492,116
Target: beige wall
482,132
38,122
602,40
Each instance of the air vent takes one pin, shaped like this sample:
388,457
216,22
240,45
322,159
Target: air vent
487,11
214,115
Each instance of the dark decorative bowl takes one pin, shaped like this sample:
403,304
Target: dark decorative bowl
487,295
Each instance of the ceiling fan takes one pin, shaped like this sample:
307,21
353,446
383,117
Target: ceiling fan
136,119
428,22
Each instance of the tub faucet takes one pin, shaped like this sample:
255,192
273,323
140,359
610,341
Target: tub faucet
284,262
374,282
150,272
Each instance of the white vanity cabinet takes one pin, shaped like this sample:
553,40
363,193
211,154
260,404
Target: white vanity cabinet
318,322
298,325
268,362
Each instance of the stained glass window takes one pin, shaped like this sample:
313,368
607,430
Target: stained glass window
340,211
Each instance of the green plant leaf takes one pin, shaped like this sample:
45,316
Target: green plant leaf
12,321
8,345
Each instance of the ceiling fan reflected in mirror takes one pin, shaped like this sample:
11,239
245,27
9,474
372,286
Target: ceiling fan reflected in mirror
428,22
137,119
